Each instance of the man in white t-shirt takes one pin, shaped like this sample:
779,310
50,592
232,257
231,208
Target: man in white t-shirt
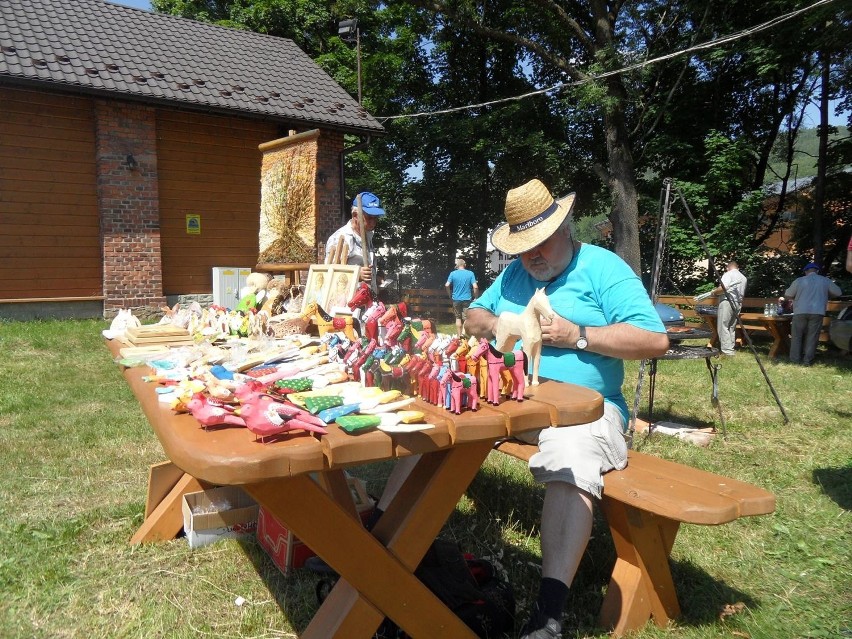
734,284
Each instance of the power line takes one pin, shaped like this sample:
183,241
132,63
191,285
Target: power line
564,85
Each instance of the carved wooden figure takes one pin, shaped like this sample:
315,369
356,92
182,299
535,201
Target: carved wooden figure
525,326
515,362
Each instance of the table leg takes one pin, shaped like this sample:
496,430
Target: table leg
377,570
641,585
713,369
780,338
710,323
652,383
166,519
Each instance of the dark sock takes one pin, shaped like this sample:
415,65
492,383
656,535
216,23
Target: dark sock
552,596
373,518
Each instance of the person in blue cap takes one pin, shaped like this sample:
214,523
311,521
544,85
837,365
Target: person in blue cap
351,234
810,295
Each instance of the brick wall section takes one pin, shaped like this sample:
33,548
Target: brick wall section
129,208
329,205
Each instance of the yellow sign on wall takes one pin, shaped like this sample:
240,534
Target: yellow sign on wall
193,224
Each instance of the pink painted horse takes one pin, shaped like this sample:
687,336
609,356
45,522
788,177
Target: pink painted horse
461,387
515,362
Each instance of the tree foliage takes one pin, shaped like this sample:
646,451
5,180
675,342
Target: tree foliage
628,110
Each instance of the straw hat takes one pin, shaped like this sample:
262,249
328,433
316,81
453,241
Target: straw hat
532,215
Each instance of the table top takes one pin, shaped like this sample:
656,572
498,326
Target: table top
751,317
232,455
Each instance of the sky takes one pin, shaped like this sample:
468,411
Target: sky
139,4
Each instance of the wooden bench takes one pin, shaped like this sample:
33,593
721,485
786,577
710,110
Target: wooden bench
686,305
431,303
645,505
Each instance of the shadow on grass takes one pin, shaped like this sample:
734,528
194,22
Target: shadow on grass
499,503
701,596
836,483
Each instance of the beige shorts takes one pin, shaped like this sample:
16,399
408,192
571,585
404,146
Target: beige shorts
580,455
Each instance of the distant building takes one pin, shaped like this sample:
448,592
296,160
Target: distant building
498,260
129,161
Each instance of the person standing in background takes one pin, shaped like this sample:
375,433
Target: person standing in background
462,288
810,295
849,256
351,233
732,289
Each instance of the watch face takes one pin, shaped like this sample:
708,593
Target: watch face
582,343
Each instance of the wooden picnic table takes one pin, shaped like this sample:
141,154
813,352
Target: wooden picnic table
376,569
778,326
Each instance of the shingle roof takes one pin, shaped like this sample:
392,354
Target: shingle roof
95,46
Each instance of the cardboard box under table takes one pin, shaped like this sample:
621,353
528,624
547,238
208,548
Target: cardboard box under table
218,513
285,549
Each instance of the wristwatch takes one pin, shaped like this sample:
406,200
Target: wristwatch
582,342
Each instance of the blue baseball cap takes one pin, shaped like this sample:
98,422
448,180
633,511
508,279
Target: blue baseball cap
369,204
811,265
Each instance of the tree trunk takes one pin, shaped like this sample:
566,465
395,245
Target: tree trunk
624,215
822,158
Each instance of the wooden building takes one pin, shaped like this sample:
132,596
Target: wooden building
129,161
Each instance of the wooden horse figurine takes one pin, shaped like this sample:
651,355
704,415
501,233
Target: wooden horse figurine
370,309
515,362
525,326
326,322
461,387
363,297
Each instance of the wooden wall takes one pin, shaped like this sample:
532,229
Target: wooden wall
208,165
49,225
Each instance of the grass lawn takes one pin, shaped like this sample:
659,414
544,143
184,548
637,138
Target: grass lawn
75,449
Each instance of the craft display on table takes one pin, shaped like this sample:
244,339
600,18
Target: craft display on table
515,362
231,369
525,326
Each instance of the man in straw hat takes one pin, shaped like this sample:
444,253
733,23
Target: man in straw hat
603,316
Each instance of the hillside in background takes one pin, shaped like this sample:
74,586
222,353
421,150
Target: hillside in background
804,165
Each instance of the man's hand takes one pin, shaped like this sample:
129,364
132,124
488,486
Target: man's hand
559,332
367,274
703,296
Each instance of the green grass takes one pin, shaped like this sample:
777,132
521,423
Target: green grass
75,448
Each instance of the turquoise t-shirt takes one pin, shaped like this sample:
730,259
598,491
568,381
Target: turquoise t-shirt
596,289
461,281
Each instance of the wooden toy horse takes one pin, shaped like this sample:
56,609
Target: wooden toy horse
393,329
363,297
370,319
326,322
515,362
458,357
461,387
405,337
391,376
397,311
362,358
525,326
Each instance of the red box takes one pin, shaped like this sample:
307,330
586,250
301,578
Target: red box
285,549
288,551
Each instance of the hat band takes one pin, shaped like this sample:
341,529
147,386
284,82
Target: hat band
538,219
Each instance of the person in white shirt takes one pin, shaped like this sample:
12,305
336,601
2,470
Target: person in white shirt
810,295
734,284
351,234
